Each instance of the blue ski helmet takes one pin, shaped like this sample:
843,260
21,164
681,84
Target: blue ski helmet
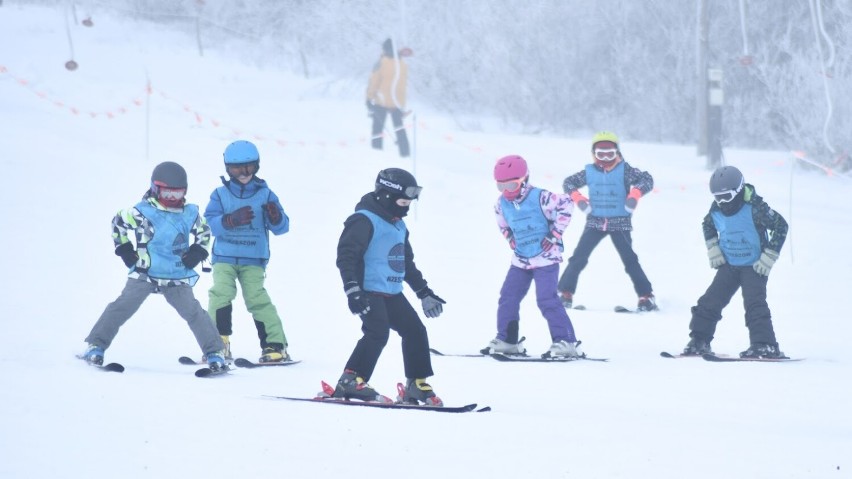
241,151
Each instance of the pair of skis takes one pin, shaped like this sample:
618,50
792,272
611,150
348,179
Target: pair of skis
507,358
206,372
326,397
723,358
617,309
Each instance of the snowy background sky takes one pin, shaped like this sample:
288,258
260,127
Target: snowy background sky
77,146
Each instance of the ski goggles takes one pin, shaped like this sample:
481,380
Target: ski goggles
412,192
728,195
243,169
606,154
172,194
510,185
167,193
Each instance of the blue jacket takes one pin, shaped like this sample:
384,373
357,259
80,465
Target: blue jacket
248,244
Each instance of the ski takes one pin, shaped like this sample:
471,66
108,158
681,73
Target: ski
188,361
542,359
381,405
439,353
209,373
579,307
719,359
684,356
245,363
109,367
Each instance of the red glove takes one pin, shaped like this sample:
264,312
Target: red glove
632,199
242,216
581,201
272,212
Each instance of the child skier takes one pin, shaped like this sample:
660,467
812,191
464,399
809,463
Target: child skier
241,213
162,262
614,191
532,220
374,257
736,233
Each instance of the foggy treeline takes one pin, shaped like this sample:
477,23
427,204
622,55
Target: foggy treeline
563,66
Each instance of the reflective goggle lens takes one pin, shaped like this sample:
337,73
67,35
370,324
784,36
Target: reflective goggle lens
172,193
510,185
725,196
412,192
606,154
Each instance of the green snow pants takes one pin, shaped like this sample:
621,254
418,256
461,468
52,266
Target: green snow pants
251,278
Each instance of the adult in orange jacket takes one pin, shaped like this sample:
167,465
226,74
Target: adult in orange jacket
386,94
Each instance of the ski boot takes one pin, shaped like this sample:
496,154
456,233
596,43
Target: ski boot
225,353
417,391
762,351
647,303
697,347
274,354
502,347
564,349
94,355
216,362
352,386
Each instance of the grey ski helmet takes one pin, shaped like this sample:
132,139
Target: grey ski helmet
169,174
398,182
725,183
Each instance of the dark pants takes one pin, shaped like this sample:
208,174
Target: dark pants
379,115
386,313
515,287
623,245
725,284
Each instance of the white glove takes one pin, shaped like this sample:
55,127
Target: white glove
764,264
717,259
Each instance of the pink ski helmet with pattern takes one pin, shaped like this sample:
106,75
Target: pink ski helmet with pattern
510,168
511,173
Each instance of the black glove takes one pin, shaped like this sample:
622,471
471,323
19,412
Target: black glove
431,303
370,106
127,253
193,256
242,216
359,301
272,213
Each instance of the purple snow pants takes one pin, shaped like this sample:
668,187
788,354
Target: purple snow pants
515,288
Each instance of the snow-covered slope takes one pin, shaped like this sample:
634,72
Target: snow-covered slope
79,146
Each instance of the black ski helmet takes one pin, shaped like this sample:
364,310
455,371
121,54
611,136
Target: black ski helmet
725,183
169,174
398,182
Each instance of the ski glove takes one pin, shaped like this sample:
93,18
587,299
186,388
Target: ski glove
551,239
272,213
581,201
359,302
632,199
764,264
242,216
717,259
432,304
127,254
195,255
